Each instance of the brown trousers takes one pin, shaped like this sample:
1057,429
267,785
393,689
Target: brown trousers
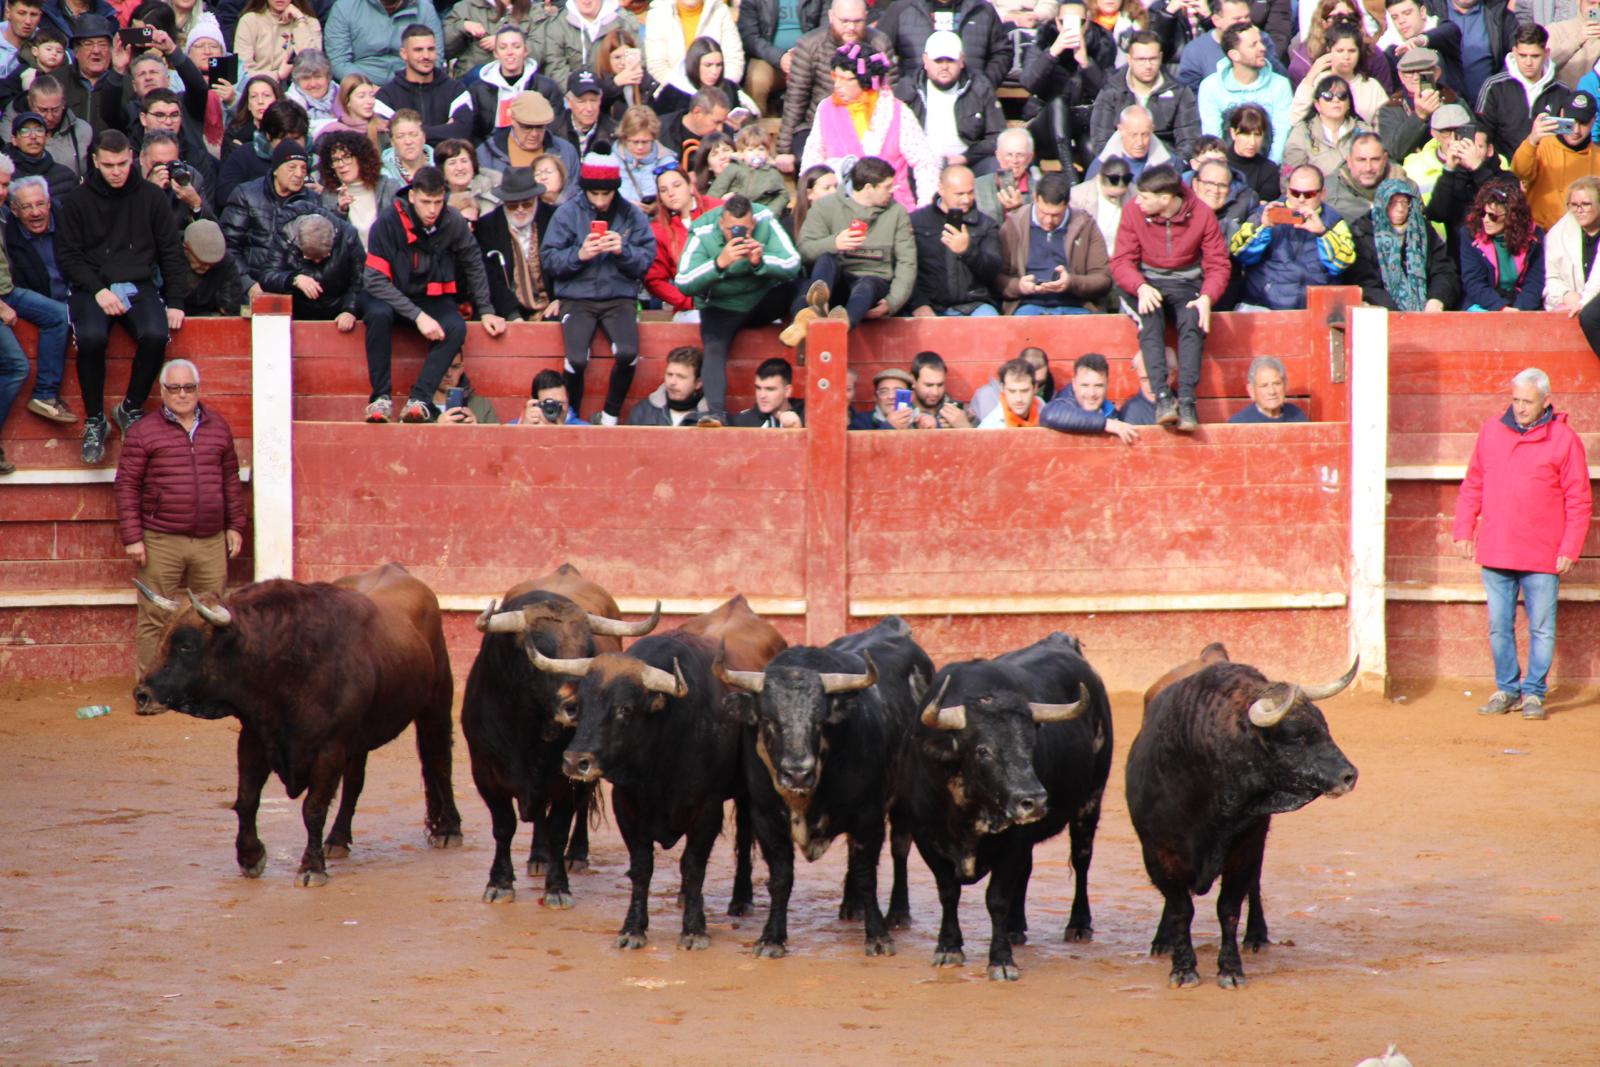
761,80
174,564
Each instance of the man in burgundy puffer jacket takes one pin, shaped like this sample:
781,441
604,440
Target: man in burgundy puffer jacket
180,505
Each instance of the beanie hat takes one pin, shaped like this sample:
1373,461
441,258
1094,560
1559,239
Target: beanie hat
286,152
600,171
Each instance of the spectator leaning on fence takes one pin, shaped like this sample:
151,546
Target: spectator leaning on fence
1571,267
1019,403
680,399
1085,408
1267,384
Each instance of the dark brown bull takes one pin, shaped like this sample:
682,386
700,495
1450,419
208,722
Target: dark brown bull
1212,653
318,675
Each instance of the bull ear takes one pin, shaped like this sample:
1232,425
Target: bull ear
739,707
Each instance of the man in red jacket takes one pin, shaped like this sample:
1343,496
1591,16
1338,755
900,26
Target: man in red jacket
1171,263
180,505
1528,483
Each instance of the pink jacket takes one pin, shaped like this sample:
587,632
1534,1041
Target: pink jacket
1531,491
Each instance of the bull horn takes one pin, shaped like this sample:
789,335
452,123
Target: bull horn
168,606
617,628
935,717
850,683
1323,692
659,681
1265,714
1060,712
575,667
749,681
501,622
218,616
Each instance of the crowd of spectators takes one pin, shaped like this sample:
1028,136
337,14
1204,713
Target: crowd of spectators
393,164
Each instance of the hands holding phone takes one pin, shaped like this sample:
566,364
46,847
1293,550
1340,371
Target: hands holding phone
1029,285
601,239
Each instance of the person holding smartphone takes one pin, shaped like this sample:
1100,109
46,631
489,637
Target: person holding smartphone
1559,150
958,251
458,405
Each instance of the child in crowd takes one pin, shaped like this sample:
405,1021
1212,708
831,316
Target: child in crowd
749,171
710,160
49,56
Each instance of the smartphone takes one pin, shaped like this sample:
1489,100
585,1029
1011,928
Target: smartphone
1426,84
1594,14
223,68
598,228
1566,126
137,36
455,398
1274,216
902,399
738,232
1072,22
1008,181
858,227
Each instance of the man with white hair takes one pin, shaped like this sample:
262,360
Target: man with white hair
1522,512
1011,186
180,504
1135,140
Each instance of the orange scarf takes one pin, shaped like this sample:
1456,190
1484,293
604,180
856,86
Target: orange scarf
1014,421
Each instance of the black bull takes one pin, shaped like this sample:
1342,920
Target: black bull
1220,753
1008,753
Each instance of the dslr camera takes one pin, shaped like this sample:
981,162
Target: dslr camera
554,411
180,173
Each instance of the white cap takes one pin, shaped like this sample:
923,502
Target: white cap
943,44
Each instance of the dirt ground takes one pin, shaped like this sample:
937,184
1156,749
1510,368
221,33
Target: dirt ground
1448,905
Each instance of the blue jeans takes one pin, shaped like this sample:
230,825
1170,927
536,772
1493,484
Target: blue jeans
13,371
51,317
1040,309
982,311
1539,601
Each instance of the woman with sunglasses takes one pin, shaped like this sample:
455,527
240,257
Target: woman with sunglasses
1102,197
1323,138
1502,252
678,205
1342,57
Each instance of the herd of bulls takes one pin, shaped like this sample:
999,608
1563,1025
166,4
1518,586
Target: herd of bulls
975,763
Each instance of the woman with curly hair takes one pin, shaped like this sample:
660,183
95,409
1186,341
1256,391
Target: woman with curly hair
1502,251
352,178
863,118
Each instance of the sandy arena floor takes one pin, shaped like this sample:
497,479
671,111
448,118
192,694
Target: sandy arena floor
1449,905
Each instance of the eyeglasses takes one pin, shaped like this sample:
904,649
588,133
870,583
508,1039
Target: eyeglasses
1305,194
1580,205
1209,184
1116,179
1330,97
182,387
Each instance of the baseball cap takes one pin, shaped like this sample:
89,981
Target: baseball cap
943,44
1580,107
582,81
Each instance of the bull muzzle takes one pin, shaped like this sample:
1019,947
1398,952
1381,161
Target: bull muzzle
145,702
580,766
1344,782
798,778
1026,808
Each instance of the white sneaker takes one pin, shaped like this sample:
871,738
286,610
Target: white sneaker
380,410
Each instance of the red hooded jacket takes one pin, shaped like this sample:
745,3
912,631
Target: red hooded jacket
1531,491
1190,238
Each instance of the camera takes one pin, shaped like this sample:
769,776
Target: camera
180,173
554,411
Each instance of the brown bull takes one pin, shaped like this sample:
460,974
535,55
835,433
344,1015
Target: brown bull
1212,653
318,675
748,640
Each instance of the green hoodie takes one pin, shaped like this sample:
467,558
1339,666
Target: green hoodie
889,252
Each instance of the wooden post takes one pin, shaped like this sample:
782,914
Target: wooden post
1329,349
1369,488
827,496
272,412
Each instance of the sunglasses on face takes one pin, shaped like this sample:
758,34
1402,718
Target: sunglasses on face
182,387
1304,194
1116,179
1331,97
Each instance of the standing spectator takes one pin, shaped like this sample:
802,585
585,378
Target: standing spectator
353,182
418,254
116,234
678,205
1523,513
1245,78
1266,385
1526,87
739,266
1548,161
672,27
956,108
1250,131
1086,409
180,504
909,23
442,101
509,237
1060,72
1282,259
1571,277
810,77
891,131
584,120
1351,188
679,399
38,295
1488,28
215,287
1019,404
506,76
1054,260
270,32
597,251
1172,262
1502,252
473,28
861,250
1401,263
91,51
364,36
775,408
1324,138
769,30
570,38
1102,197
958,251
1174,115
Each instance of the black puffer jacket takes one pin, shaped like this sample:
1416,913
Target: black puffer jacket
944,279
111,235
253,224
339,274
979,120
909,23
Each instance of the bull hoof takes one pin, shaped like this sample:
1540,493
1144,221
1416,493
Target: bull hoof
694,942
880,946
1230,981
445,840
536,868
1085,933
1004,972
1017,937
629,940
852,913
559,901
254,870
312,879
499,894
771,950
1255,944
336,852
577,864
950,958
899,920
741,907
1183,979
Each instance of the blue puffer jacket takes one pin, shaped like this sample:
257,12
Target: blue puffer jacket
610,276
1280,261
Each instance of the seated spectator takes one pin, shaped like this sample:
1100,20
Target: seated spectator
584,120
1061,72
679,400
682,131
258,94
1403,121
1102,197
254,219
1011,185
215,286
987,397
678,206
739,266
1502,252
1323,138
1086,409
909,23
1203,55
861,251
311,86
1342,58
1451,169
774,408
364,36
1548,162
30,242
283,121
891,132
769,32
1280,260
703,66
356,109
319,263
1571,273
809,79
816,183
1245,78
502,76
353,182
1174,117
420,258
459,163
1526,87
892,409
160,112
711,160
1225,193
472,32
1323,25
68,135
455,401
1266,385
90,37
1140,408
29,158
442,102
596,272
935,408
958,251
1249,132
641,155
1134,143
159,163
1053,258
548,404
619,64
117,236
956,107
270,33
509,237
550,172
1018,402
1351,189
528,137
1401,263
51,319
409,150
1413,27
750,171
674,27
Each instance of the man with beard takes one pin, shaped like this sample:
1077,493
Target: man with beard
956,107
